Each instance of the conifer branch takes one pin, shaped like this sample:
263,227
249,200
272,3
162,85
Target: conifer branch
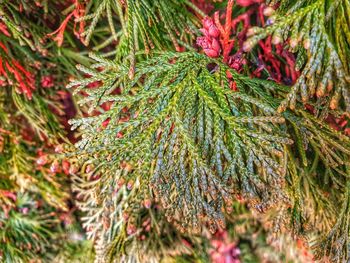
315,25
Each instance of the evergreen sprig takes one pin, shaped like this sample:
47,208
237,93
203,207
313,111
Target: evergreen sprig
142,25
23,236
33,197
318,31
179,134
170,143
193,140
336,242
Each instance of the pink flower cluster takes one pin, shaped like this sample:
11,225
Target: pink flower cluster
223,249
217,38
210,41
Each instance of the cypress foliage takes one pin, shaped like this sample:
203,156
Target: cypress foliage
190,122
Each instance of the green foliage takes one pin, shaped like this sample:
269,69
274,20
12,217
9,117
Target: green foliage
318,170
31,231
322,27
166,145
336,243
18,156
181,136
75,251
31,197
140,26
146,23
191,142
22,236
121,225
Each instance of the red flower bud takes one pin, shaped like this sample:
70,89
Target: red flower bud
248,2
120,182
268,11
203,42
125,216
214,31
47,82
245,2
25,210
207,22
215,45
211,47
210,29
211,53
106,122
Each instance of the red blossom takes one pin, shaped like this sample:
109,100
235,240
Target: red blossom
73,169
347,131
232,43
105,122
42,160
9,69
2,69
3,47
55,167
60,31
211,47
25,80
209,28
237,61
147,203
130,185
77,13
210,41
47,81
337,123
